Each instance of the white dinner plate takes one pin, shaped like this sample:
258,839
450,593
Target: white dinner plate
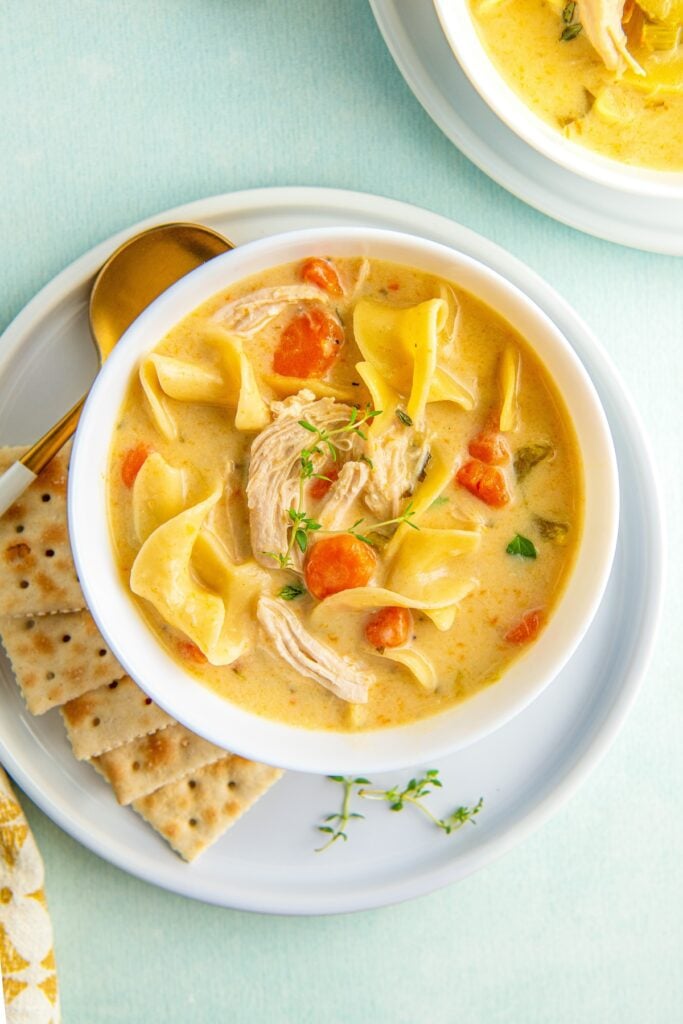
524,771
414,36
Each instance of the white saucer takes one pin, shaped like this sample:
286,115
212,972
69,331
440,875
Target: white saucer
414,36
524,771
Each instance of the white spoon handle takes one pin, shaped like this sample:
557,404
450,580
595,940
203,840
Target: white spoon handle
13,483
18,477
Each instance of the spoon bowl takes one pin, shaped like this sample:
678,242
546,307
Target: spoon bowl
141,269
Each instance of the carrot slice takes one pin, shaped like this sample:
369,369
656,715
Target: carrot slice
338,563
190,652
527,629
490,447
319,488
389,627
133,462
308,345
485,482
321,273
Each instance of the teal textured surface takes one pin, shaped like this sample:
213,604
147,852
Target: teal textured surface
113,111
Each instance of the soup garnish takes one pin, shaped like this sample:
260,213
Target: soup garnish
413,794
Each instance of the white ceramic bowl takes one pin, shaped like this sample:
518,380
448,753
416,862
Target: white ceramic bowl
458,25
233,728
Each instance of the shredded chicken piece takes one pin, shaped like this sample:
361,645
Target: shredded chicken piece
273,483
251,313
308,656
342,494
361,277
601,20
398,457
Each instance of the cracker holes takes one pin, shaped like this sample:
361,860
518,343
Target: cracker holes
232,784
192,783
135,766
148,701
49,553
20,528
101,653
192,822
24,584
95,722
46,497
112,686
30,624
66,638
49,675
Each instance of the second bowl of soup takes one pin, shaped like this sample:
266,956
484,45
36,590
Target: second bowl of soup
343,500
596,86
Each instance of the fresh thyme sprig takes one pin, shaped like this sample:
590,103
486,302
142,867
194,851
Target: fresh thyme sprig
405,517
415,792
342,817
324,436
302,525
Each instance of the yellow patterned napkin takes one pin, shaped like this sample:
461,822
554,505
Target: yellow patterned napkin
26,956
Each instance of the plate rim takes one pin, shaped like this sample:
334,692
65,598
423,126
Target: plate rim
424,85
271,198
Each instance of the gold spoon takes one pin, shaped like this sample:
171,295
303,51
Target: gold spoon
137,272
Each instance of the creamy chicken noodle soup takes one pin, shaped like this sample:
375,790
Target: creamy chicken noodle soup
344,494
607,73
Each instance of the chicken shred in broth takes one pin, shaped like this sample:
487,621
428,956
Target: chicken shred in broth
345,494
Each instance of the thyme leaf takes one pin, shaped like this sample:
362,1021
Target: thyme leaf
301,540
308,426
522,546
366,540
570,32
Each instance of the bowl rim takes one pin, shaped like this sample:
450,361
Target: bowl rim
457,22
319,751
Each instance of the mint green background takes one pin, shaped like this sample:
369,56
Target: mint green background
111,110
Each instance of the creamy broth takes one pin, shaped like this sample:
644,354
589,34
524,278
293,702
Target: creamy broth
634,118
544,506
